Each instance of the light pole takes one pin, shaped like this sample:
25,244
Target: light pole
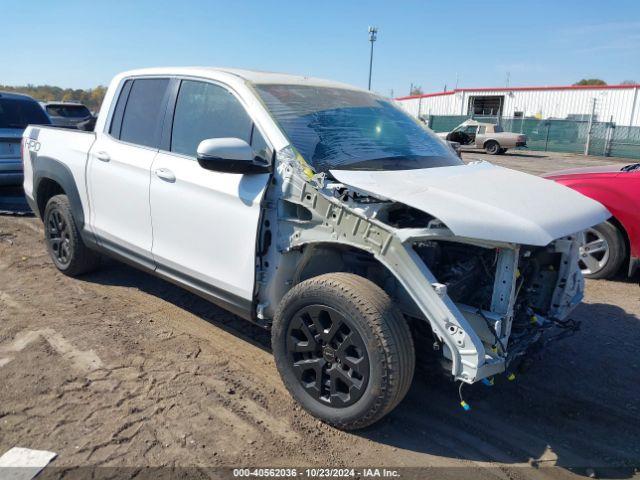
373,35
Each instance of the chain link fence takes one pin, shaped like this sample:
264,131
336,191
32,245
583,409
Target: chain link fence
571,136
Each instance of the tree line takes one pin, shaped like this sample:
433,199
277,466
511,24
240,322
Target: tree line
92,97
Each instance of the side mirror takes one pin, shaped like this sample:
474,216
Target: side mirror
229,155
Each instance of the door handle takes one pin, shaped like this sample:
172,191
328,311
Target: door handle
165,174
103,156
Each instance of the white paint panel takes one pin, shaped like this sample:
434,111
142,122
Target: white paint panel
484,201
119,193
205,223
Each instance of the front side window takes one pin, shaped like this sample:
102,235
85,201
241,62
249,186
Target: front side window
337,128
203,111
143,111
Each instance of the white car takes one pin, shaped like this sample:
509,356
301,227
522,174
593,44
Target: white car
320,211
486,136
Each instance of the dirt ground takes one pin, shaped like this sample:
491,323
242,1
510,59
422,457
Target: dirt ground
120,369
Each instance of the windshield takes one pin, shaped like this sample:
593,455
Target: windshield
18,113
70,111
335,128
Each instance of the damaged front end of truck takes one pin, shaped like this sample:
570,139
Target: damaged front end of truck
482,271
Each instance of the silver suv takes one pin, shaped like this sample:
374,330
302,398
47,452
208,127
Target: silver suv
67,114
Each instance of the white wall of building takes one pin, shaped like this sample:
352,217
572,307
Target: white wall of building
620,104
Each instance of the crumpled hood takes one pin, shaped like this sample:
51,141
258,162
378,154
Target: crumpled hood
484,201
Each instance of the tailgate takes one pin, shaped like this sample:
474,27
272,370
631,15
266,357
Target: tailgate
10,144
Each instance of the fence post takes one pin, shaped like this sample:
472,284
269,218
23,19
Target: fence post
546,141
587,143
609,137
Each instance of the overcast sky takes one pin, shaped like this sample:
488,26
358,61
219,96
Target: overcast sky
82,44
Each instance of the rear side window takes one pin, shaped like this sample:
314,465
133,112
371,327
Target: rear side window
68,111
116,121
18,113
143,111
203,111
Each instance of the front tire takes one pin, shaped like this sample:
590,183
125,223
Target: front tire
343,349
602,251
67,250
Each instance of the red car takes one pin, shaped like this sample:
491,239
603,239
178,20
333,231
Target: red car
606,247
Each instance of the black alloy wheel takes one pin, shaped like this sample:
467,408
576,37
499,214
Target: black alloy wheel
68,251
328,356
343,349
58,235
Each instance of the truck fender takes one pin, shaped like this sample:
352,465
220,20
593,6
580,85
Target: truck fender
48,169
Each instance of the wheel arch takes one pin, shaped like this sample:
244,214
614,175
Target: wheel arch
625,236
488,140
52,177
333,257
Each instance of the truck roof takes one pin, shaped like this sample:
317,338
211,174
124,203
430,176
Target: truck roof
252,76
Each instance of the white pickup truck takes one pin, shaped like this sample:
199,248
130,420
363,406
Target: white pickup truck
322,212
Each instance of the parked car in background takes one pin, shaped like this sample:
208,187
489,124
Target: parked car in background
615,243
322,212
487,136
67,114
16,112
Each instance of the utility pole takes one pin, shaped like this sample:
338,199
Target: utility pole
373,36
587,144
508,79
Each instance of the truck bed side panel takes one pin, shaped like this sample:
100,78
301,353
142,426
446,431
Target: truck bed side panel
57,154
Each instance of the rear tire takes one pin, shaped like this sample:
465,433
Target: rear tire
603,251
492,147
348,387
65,246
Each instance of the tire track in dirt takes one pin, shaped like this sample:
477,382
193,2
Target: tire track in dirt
185,383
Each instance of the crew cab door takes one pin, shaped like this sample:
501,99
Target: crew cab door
205,223
119,170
